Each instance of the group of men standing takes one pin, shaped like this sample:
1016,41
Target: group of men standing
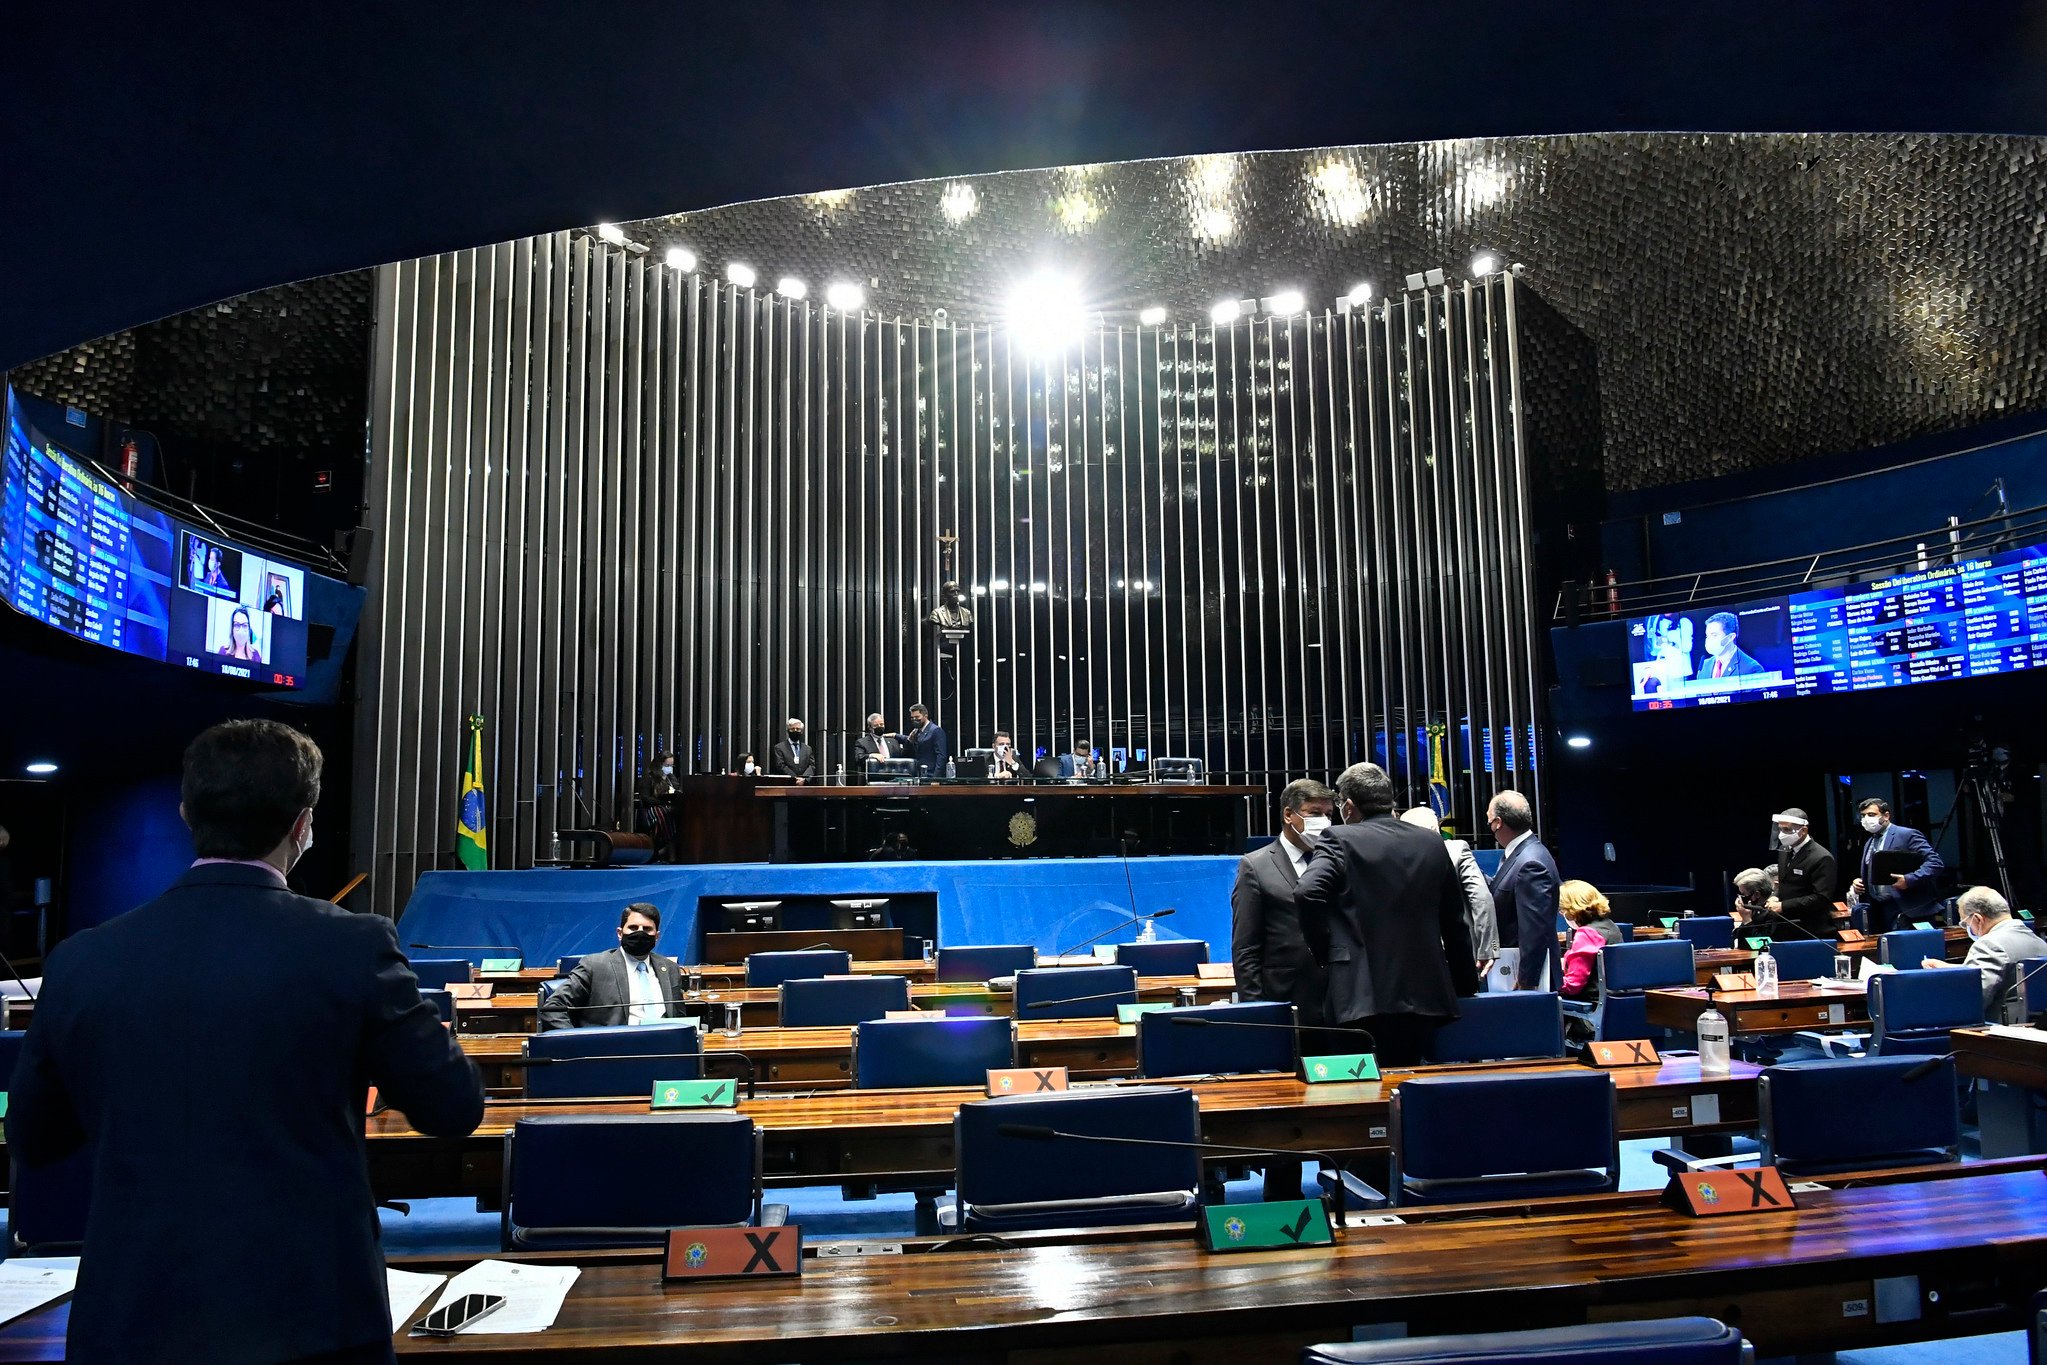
1379,924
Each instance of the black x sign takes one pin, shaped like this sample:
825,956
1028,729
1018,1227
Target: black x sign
1758,1194
1044,1080
1636,1053
763,1245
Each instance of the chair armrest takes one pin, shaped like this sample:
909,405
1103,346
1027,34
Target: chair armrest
1356,1193
774,1215
1679,1160
1853,1044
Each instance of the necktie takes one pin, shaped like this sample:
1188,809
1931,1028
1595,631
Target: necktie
1719,667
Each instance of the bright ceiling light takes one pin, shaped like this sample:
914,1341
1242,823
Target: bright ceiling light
789,287
1152,317
1045,312
1214,223
42,767
845,297
1225,313
1360,294
1579,741
960,202
1484,264
681,258
612,233
741,275
1286,303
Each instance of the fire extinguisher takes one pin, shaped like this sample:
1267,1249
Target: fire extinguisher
131,462
1613,593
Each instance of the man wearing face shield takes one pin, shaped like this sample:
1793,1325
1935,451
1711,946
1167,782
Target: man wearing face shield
1274,956
629,984
1807,880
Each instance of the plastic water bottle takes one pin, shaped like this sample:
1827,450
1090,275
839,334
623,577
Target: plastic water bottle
1148,932
1766,971
952,772
1715,1059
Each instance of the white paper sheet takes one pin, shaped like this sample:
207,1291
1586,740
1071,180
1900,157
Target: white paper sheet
27,1284
408,1290
533,1295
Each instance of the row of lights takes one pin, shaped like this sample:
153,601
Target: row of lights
842,295
42,767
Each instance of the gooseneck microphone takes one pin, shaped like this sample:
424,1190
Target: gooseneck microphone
1925,1068
1134,919
1034,1132
1128,997
473,948
1209,1021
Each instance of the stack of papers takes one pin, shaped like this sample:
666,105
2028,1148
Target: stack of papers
28,1283
533,1295
407,1290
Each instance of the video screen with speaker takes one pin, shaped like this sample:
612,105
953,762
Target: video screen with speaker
1968,620
80,553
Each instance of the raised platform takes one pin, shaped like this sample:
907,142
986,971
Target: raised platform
549,912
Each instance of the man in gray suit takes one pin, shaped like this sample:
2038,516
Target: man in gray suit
2000,946
1479,920
629,984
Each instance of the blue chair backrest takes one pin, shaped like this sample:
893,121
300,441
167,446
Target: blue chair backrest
1907,948
443,1002
1627,931
772,969
1858,1113
2032,985
842,1001
994,1169
985,961
1470,1127
1652,964
10,1052
1664,1341
1708,931
1803,959
1936,998
563,966
1045,986
435,973
892,1054
1502,1024
634,1077
48,1204
1166,1047
1172,957
565,1171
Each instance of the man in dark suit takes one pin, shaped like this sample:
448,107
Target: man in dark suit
925,742
1806,876
1524,891
1902,896
629,984
1269,946
1399,954
875,742
231,1216
792,757
1724,656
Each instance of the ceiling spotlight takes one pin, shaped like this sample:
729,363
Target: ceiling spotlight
845,297
1045,312
1484,264
789,287
960,202
612,233
1037,587
1579,741
1152,316
42,767
1285,303
741,275
681,258
1225,313
1360,294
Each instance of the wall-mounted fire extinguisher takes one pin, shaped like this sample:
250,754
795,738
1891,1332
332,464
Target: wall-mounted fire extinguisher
1613,593
131,462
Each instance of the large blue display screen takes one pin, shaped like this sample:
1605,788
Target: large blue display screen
1966,620
82,555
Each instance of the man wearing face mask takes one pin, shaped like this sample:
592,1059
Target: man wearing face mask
1003,764
264,1099
1724,655
873,743
1270,946
792,756
1480,920
1901,896
629,984
2000,947
1806,876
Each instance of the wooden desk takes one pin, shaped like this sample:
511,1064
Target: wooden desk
1791,1008
1956,940
2012,1064
876,1135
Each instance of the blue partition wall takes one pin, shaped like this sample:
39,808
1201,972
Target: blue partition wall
550,912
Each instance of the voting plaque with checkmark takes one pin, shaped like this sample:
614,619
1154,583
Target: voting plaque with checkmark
695,1094
1356,1066
1279,1226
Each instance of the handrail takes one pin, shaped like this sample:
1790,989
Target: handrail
263,537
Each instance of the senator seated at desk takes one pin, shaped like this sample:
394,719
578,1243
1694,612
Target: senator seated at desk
629,984
2000,947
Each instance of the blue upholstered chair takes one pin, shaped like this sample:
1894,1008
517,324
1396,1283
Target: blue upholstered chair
1707,931
1905,949
569,1183
1626,970
1168,957
893,1054
839,1002
1803,959
985,961
1462,1139
1627,931
1911,1012
1042,991
1173,1043
435,973
571,1080
1822,1118
563,966
1502,1024
47,1204
443,1001
1009,1183
772,969
1661,1341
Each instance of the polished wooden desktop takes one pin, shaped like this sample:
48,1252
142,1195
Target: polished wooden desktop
1792,1007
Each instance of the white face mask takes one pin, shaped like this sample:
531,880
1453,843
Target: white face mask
668,770
1312,825
1872,823
749,770
1789,837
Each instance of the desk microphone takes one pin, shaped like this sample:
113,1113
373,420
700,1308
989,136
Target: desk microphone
473,948
1925,1068
1033,1132
1134,919
698,1057
1206,1021
1128,997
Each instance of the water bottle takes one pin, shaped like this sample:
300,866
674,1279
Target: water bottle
1149,933
1714,1057
1766,971
951,771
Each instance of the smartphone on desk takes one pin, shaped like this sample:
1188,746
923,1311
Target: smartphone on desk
451,1318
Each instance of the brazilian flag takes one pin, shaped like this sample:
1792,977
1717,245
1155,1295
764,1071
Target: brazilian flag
1439,772
471,844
